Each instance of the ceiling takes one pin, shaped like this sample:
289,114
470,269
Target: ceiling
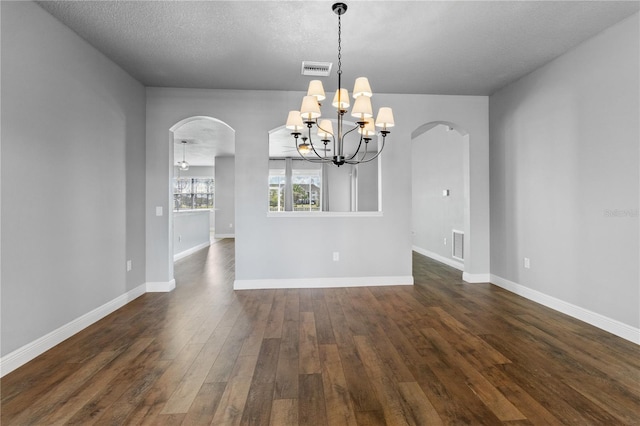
206,139
422,47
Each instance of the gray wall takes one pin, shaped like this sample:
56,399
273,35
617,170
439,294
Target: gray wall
195,171
339,187
564,176
190,230
73,188
368,184
437,164
265,245
225,224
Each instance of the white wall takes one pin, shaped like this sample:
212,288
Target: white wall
437,165
564,159
266,245
225,197
73,158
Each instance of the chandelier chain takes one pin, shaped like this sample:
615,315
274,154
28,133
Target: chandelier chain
339,45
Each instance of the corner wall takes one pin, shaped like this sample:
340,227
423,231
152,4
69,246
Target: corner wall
73,159
565,182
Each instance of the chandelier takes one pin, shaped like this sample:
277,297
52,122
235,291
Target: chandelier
362,111
183,165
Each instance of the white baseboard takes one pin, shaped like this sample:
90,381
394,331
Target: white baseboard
160,287
321,282
610,325
190,251
26,353
476,278
435,256
224,235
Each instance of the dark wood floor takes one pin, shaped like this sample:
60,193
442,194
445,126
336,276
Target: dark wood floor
440,352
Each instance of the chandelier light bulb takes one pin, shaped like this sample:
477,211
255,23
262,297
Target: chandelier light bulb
362,108
183,164
294,121
369,129
304,148
317,90
310,110
385,118
325,129
362,88
344,99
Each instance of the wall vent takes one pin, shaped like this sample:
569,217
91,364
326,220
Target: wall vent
457,248
319,69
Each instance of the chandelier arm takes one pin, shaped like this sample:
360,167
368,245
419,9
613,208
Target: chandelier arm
372,158
364,154
313,148
312,160
325,146
356,127
366,151
351,158
359,144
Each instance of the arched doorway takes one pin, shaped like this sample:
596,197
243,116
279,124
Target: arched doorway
202,193
441,194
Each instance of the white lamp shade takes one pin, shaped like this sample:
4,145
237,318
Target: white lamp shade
362,88
368,130
362,108
344,99
310,109
385,117
316,90
294,121
325,129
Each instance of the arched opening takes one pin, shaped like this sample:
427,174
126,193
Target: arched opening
348,188
202,192
441,193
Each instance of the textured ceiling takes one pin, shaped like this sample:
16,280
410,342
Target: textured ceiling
437,47
206,139
422,47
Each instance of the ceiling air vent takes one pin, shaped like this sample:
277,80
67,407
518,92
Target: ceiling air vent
321,69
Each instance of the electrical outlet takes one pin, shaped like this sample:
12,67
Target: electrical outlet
128,265
231,225
527,263
336,256
445,241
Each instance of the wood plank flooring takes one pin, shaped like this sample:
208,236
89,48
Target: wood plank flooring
440,352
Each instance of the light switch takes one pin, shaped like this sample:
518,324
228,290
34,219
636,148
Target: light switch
158,210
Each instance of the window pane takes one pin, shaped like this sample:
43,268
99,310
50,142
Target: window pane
193,193
276,191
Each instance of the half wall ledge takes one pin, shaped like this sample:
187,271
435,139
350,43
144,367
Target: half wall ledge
338,282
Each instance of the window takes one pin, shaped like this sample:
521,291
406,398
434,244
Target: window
192,193
306,188
276,190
